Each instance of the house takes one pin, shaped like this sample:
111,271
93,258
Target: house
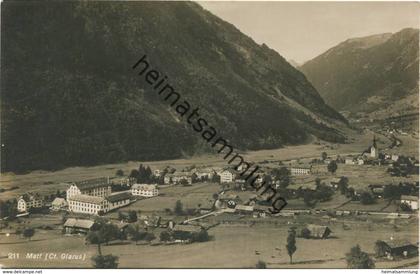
177,177
72,226
81,203
144,190
411,201
394,157
204,173
227,175
319,231
58,204
397,248
28,201
360,161
99,187
334,183
157,173
184,233
244,209
349,161
301,170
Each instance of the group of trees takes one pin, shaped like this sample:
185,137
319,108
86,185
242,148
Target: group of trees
8,209
403,167
143,175
321,193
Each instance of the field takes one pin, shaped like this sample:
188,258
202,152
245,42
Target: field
233,246
47,182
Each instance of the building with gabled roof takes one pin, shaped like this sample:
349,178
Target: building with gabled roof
73,225
58,204
144,190
411,201
118,199
319,231
397,248
28,201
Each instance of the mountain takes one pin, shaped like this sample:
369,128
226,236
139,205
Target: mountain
373,74
70,96
294,63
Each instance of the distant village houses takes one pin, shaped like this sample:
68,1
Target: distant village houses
411,201
301,170
227,175
178,176
144,190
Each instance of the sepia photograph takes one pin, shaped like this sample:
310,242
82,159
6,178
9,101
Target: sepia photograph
218,135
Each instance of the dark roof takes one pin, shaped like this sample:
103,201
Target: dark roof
187,228
398,243
409,198
118,196
92,183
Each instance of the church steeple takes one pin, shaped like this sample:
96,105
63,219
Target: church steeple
374,141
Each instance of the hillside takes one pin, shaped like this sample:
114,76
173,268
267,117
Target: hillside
69,96
377,75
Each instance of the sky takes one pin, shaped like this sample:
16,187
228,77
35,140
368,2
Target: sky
300,31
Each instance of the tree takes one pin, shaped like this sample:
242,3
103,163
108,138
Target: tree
308,198
201,236
343,185
134,174
135,233
261,265
305,233
291,244
119,173
121,216
282,175
132,216
179,208
93,237
357,259
106,261
366,198
332,167
405,207
164,236
149,237
28,233
324,156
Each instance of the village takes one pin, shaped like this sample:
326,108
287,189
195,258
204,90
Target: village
171,208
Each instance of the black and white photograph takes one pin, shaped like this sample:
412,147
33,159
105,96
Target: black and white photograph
217,135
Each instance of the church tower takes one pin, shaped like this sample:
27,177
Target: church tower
374,152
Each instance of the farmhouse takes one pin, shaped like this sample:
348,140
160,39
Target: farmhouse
204,173
72,226
227,175
58,204
244,209
397,248
411,201
185,232
319,231
177,176
144,190
99,187
301,170
28,201
349,161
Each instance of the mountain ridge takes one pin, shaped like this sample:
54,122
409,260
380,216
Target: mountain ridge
79,104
